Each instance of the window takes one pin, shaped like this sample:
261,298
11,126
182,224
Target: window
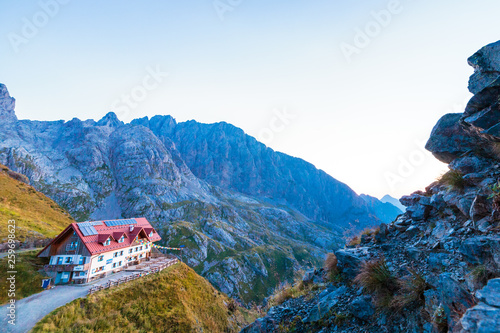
140,256
114,265
130,251
121,253
136,249
120,263
59,261
115,254
100,258
140,249
68,260
147,246
122,239
93,271
107,242
81,261
150,234
99,269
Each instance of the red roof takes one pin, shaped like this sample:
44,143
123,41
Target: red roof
93,243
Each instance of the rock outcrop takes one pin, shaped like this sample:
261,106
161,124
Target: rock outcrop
436,268
7,105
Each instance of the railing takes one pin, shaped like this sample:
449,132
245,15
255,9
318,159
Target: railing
113,283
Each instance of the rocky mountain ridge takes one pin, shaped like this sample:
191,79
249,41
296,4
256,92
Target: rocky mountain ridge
436,268
249,217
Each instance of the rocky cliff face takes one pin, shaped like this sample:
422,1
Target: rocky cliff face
224,156
7,105
436,268
249,217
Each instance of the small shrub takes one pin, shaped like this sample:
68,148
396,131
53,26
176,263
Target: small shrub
495,188
439,319
371,231
375,276
341,318
331,269
453,179
457,310
482,273
354,241
232,306
281,294
378,280
330,263
412,290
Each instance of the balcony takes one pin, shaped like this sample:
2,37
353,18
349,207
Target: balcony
67,268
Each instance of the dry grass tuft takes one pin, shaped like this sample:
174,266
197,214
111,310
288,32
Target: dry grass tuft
330,262
354,241
378,280
331,269
453,179
411,291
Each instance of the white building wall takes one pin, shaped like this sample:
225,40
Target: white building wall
108,259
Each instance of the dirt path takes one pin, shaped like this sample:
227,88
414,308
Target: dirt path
4,254
32,309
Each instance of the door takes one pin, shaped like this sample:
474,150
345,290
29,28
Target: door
58,278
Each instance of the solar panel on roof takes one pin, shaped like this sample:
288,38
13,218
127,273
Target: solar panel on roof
120,222
87,229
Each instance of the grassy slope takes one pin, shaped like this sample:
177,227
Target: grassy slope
35,214
28,279
176,300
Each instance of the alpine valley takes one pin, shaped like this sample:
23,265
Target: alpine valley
249,217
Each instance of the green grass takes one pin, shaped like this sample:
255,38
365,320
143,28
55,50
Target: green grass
175,300
36,215
28,279
453,179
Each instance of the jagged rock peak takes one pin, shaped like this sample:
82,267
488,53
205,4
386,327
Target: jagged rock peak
163,125
486,63
477,130
7,105
110,120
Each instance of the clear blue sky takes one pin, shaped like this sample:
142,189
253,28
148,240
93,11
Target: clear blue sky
356,120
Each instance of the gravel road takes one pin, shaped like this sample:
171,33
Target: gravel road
32,309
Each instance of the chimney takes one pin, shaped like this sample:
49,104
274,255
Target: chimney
131,227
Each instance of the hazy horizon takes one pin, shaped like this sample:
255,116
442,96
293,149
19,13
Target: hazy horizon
298,76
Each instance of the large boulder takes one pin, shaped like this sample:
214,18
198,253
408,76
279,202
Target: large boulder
486,64
469,164
362,308
483,99
481,249
325,304
452,296
490,294
484,317
349,260
449,140
480,208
